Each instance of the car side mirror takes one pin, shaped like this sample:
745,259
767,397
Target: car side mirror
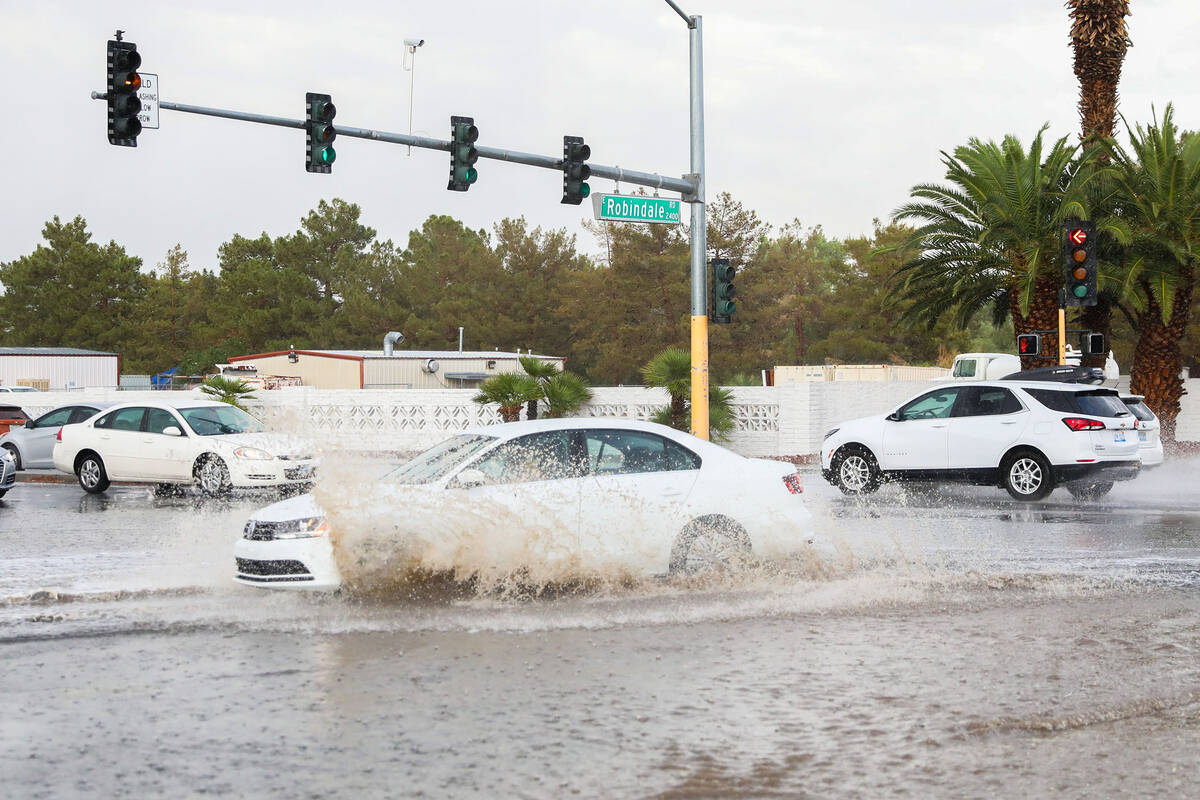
29,424
894,417
172,430
470,478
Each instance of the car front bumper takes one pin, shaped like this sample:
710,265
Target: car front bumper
304,564
246,473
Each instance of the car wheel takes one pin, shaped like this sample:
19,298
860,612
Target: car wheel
1026,475
16,454
855,471
1089,491
708,543
92,475
213,476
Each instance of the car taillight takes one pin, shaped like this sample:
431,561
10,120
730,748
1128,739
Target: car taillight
58,435
1082,424
793,483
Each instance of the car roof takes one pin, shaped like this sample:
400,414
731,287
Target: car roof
181,403
511,430
1053,385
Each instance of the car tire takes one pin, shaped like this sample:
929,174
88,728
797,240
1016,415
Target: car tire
1026,475
213,476
16,454
855,471
3,492
1089,491
708,543
165,490
93,477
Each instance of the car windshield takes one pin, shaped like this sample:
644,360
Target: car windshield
439,460
218,420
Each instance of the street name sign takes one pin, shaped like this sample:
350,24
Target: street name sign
635,208
148,95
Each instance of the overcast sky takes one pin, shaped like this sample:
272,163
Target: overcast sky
863,94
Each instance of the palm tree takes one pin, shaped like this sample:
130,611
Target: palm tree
540,371
510,390
227,390
564,393
1099,39
672,370
990,238
1158,180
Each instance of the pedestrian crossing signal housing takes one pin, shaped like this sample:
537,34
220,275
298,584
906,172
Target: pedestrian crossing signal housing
122,85
463,154
1079,263
1029,344
1094,344
575,170
723,291
319,114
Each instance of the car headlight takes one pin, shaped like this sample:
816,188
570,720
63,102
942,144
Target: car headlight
6,454
831,432
303,528
253,453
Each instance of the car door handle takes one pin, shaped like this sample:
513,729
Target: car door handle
1008,422
942,425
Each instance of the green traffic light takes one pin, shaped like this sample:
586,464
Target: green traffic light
584,190
1079,291
472,174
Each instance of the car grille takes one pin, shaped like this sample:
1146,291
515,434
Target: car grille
299,473
249,566
10,479
295,458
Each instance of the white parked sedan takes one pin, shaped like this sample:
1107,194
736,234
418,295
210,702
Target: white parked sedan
32,446
214,445
1027,436
603,491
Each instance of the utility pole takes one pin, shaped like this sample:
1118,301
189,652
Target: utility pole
699,271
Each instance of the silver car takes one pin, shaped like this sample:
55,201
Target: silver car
32,446
8,472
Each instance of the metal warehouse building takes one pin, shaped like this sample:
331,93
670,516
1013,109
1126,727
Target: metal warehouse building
374,369
58,368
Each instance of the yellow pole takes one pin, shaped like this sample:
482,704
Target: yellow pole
700,375
1062,336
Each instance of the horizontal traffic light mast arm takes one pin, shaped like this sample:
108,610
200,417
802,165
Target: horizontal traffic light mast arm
621,174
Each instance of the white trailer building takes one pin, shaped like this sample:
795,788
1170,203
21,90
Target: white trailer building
52,369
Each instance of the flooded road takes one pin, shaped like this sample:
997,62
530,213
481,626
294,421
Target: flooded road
958,644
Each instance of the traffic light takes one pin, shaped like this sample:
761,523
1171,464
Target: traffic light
463,154
123,84
1094,344
1029,344
723,290
575,171
319,113
1079,259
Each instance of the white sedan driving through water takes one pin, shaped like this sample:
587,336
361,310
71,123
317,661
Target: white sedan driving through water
585,492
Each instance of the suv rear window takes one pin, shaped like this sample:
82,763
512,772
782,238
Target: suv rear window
1139,409
1097,402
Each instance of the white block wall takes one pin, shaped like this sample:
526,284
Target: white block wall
788,420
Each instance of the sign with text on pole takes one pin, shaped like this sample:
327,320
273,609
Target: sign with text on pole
635,208
148,95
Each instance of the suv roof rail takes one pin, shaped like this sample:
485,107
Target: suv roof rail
1060,374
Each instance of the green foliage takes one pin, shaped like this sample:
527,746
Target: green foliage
509,390
672,370
227,390
564,393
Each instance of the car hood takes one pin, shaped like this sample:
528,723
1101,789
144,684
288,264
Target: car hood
277,444
298,507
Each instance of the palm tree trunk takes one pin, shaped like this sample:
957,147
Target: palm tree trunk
1157,357
1098,319
1042,317
679,412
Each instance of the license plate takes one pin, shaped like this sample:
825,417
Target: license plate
1119,436
1141,436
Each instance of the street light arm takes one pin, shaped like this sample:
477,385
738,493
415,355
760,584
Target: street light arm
691,21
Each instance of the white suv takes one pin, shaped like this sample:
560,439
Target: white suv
1027,436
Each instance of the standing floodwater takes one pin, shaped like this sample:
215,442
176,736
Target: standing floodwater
956,645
